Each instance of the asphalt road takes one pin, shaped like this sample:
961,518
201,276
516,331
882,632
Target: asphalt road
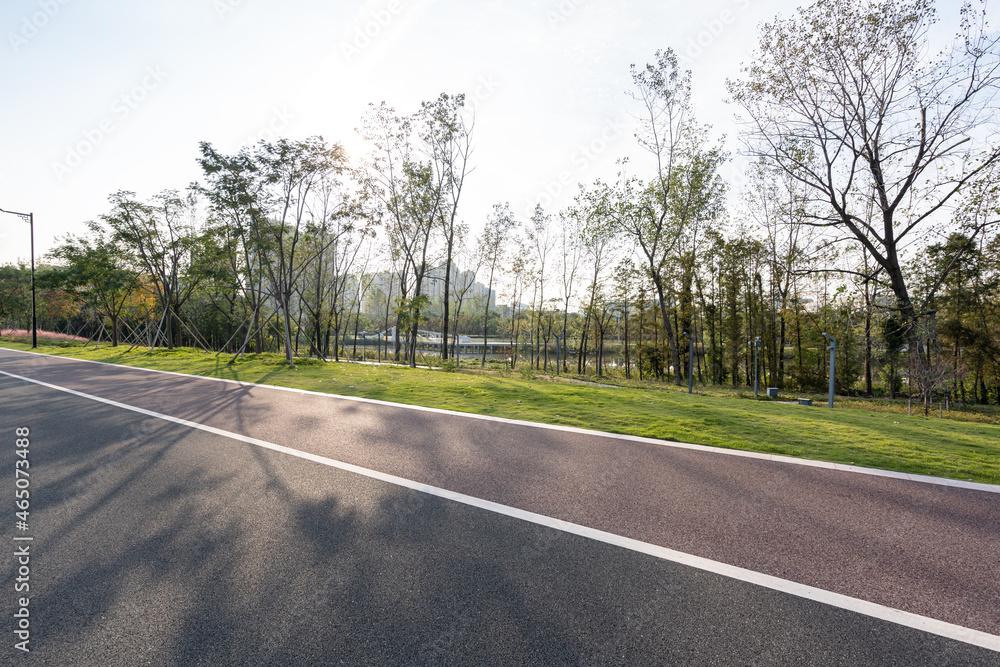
157,543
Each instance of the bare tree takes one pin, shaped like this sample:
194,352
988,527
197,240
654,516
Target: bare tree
447,138
543,241
411,195
848,82
664,92
778,204
599,238
570,256
492,248
463,284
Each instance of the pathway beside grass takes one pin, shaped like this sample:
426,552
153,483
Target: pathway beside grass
928,446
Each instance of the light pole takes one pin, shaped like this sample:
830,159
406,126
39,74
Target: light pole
756,346
30,219
833,359
690,362
557,355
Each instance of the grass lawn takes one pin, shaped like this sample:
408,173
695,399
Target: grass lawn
967,450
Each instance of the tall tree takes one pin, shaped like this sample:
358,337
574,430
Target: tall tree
600,234
410,192
235,192
696,201
848,82
447,138
493,248
542,241
274,185
778,204
645,210
463,285
165,238
570,257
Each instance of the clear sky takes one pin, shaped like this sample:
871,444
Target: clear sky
107,95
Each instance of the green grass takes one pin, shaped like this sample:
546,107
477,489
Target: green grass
873,438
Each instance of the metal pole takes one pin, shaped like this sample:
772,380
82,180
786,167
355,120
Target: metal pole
690,362
34,320
833,360
756,346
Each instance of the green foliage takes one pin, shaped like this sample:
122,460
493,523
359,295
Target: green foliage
652,359
15,295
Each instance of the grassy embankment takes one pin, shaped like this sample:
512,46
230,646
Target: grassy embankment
968,450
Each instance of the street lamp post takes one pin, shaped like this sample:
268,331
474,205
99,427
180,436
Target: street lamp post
30,219
833,361
756,346
557,355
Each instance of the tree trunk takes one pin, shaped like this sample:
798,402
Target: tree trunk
667,327
447,289
287,320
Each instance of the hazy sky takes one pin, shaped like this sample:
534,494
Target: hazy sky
100,96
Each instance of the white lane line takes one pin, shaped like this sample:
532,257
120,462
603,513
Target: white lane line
905,618
874,472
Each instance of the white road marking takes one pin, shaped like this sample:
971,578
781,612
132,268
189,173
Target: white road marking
905,618
875,472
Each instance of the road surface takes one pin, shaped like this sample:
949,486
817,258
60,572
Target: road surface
158,541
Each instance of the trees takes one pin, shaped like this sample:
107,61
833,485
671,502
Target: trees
447,137
295,172
419,196
846,82
696,200
624,288
664,216
599,235
463,284
96,272
15,296
962,334
163,236
492,248
665,93
411,196
232,191
570,256
542,242
779,205
333,238
268,193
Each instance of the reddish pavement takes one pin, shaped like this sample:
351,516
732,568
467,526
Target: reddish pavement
925,548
